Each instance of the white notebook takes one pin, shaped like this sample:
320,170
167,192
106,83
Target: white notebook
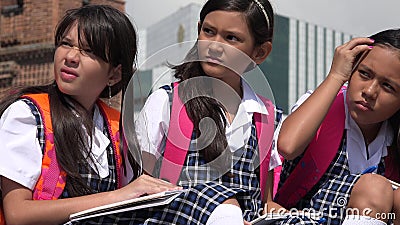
158,199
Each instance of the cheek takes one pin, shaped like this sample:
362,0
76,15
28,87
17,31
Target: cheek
390,106
202,49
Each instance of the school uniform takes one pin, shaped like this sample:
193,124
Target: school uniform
332,192
205,189
28,142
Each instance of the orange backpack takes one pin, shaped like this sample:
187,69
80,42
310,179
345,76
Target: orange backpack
52,180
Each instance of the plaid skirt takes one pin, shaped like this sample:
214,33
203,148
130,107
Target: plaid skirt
191,207
203,195
329,197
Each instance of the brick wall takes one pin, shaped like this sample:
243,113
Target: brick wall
26,39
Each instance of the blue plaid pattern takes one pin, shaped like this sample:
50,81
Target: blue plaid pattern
203,195
206,190
332,193
39,122
95,182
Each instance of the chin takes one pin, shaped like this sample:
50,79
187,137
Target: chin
214,70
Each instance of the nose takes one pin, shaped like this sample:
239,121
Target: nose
371,90
72,55
216,47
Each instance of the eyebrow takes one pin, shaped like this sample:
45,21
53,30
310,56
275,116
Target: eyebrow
229,31
384,78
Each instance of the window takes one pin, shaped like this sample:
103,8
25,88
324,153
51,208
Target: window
12,7
85,2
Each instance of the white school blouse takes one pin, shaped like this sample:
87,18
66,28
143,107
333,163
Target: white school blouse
153,122
356,149
21,155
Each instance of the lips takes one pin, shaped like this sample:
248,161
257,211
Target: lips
68,74
213,60
363,105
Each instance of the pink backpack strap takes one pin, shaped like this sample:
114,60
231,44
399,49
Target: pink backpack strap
180,133
178,140
317,157
265,132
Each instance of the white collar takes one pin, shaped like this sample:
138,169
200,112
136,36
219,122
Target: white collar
238,133
251,102
100,143
356,152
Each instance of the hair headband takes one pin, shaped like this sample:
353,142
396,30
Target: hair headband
263,10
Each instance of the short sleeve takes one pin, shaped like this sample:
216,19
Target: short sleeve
276,159
153,122
20,154
302,99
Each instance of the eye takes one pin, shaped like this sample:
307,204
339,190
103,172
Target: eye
208,31
65,44
364,74
87,50
232,38
387,86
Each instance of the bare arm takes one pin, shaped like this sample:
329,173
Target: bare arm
19,208
269,205
300,127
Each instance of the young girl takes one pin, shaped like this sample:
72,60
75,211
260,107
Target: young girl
59,141
217,161
337,135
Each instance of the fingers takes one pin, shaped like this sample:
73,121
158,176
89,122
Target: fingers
154,185
344,60
353,48
157,181
360,44
246,222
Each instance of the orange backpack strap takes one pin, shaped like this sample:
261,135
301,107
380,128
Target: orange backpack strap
112,117
52,179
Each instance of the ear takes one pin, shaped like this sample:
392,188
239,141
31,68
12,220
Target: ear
262,52
115,75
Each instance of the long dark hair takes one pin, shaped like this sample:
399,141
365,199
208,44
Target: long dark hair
201,107
391,39
111,36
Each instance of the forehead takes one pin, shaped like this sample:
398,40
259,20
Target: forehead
384,61
227,20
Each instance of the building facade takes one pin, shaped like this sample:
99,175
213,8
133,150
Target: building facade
300,59
27,38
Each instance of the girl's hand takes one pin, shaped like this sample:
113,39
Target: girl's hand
344,58
143,185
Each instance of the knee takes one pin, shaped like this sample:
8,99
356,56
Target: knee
226,213
396,201
372,191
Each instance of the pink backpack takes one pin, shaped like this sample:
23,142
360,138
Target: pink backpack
312,166
319,155
180,132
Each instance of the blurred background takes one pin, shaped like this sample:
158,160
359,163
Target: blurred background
306,35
